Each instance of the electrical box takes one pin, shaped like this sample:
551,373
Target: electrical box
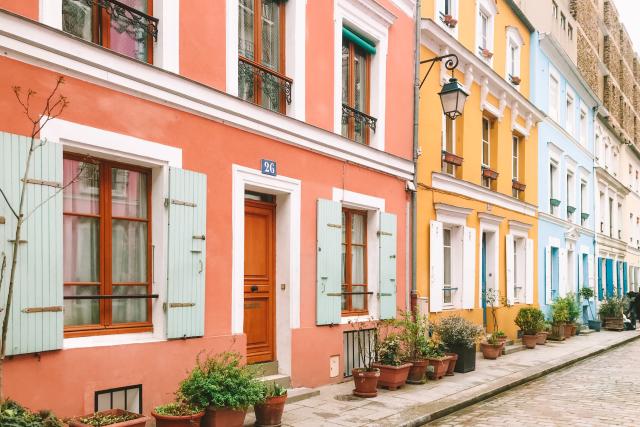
334,366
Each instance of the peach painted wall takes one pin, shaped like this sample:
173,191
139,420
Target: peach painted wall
208,147
27,8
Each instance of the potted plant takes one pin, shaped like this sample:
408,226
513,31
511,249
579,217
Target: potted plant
610,312
415,336
587,294
393,370
225,387
177,414
460,336
491,348
269,411
111,418
486,53
543,334
365,377
450,21
530,321
437,359
574,312
559,316
13,414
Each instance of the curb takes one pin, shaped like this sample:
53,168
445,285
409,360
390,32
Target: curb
431,413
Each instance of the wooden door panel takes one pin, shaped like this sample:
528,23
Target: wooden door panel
259,281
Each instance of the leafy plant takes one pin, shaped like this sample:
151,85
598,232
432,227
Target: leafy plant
366,339
221,381
611,307
530,320
572,307
390,350
587,293
433,350
559,311
492,299
493,339
414,333
498,334
101,420
456,331
177,409
275,390
13,414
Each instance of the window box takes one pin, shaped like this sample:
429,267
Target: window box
515,80
584,216
136,420
451,158
554,202
489,173
486,53
571,210
449,21
517,185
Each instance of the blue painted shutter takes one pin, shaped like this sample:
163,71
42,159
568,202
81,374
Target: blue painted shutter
600,290
186,257
388,257
625,278
329,263
609,277
36,323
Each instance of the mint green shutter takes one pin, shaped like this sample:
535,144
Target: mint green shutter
388,257
36,323
186,257
329,263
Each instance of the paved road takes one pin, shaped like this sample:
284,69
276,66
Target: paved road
602,391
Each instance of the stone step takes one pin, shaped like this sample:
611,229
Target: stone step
266,368
301,393
513,348
280,379
586,331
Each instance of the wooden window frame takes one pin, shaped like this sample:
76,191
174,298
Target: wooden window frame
105,217
257,49
351,91
348,286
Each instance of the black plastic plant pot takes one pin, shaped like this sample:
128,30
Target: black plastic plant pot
595,325
466,358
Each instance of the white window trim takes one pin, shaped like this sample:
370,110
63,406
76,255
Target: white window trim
570,116
514,39
374,206
515,174
489,8
553,74
488,164
491,224
295,65
166,51
115,146
372,21
584,125
439,6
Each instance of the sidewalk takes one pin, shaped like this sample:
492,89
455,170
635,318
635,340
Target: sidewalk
415,405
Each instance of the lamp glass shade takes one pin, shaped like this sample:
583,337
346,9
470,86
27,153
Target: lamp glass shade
453,96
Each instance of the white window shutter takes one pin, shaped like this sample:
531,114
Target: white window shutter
562,282
468,267
547,278
529,269
510,266
436,271
581,272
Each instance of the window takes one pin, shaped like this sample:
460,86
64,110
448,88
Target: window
447,289
356,64
563,21
570,196
261,51
107,247
514,43
128,398
449,145
447,12
584,200
554,9
484,28
571,114
130,31
570,32
610,217
553,190
519,269
354,262
486,149
515,163
554,97
584,127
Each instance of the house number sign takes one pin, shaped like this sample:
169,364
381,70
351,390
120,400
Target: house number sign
268,167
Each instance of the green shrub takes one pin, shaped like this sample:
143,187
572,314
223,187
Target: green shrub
433,350
14,415
559,311
530,320
177,409
586,293
221,381
390,350
572,307
611,307
456,331
414,331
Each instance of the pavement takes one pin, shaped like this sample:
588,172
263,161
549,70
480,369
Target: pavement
415,405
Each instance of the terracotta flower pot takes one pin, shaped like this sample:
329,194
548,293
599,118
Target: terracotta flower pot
178,421
567,330
269,413
453,358
140,421
366,382
529,341
392,377
490,351
558,331
542,338
223,417
440,366
417,371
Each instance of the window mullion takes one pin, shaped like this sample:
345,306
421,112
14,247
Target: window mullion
348,276
109,244
352,90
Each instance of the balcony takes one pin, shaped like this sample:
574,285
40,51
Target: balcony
358,117
451,159
263,86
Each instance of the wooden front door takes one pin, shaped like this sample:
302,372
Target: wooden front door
259,280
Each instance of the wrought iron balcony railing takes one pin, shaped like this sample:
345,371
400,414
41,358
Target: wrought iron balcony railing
273,84
128,19
358,117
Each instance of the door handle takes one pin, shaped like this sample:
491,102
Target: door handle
254,288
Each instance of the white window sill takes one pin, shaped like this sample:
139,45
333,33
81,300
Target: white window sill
357,319
110,340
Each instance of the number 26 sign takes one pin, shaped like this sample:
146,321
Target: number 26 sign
268,167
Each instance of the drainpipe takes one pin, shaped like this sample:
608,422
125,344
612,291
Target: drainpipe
414,193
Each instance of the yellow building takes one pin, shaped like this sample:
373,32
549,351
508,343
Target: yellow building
477,175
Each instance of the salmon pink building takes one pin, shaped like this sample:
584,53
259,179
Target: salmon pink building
239,176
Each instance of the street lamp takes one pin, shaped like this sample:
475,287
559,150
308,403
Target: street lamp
453,95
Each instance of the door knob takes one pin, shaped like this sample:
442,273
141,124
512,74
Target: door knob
254,288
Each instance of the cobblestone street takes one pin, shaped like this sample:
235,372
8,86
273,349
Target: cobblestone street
602,391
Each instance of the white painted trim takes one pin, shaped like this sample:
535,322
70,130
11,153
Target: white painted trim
445,182
109,340
29,42
245,178
372,21
408,7
50,13
455,7
232,46
490,223
166,53
554,241
454,215
518,228
358,200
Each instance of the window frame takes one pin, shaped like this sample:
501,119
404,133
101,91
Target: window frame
105,217
448,137
257,48
351,91
348,286
554,101
447,287
570,113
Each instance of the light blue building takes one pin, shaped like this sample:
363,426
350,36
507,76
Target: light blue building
566,233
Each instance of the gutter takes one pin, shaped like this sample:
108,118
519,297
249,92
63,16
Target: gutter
414,192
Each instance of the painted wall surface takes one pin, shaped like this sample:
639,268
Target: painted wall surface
469,146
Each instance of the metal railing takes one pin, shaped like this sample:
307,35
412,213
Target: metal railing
353,342
358,117
125,18
273,84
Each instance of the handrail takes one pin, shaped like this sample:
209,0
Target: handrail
252,69
128,15
358,116
74,297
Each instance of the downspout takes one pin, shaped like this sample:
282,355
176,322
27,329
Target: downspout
414,193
